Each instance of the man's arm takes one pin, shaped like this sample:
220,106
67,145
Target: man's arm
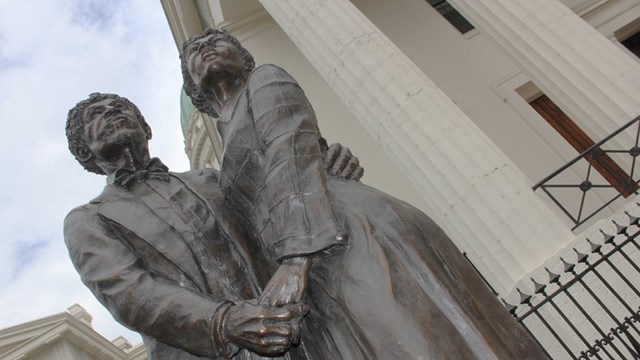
161,309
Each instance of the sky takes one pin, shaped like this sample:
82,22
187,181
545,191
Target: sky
54,53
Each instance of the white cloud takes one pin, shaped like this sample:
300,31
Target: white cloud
53,53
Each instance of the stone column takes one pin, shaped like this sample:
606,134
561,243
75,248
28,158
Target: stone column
479,197
596,83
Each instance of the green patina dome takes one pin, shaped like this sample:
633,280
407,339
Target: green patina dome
186,109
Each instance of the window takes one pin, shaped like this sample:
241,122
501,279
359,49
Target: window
633,44
580,141
452,15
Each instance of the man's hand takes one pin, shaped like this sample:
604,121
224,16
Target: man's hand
262,329
340,162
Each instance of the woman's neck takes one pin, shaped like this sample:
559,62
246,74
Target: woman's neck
225,90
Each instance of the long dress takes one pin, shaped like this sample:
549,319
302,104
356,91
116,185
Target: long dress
385,281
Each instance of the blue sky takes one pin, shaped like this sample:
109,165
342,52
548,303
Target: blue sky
53,53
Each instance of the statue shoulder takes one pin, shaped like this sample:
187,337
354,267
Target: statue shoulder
198,175
81,211
89,209
203,181
268,73
79,222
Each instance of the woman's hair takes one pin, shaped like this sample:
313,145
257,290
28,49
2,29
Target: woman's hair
199,97
75,129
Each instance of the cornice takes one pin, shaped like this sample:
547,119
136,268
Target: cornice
588,6
138,352
27,330
60,327
183,18
249,24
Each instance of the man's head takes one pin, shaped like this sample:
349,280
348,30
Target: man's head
197,95
98,125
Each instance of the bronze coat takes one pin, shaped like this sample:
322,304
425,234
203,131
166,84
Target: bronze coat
397,287
142,270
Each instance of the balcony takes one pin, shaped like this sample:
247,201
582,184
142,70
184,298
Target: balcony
599,178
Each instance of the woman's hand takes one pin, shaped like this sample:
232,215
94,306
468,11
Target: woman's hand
289,284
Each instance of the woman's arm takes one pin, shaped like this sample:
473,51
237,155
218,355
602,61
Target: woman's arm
302,216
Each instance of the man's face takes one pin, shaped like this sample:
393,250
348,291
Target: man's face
210,58
111,124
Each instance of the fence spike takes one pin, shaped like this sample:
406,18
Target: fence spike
524,298
582,258
511,308
568,267
537,287
620,229
608,239
633,220
553,278
595,248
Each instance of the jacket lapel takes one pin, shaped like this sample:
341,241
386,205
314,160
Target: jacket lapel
127,210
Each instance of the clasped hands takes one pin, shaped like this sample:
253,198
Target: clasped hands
271,325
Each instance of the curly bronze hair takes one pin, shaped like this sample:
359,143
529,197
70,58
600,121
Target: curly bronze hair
200,98
75,129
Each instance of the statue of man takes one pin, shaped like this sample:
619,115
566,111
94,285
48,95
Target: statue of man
163,253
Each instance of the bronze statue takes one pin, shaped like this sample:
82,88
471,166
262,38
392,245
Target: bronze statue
382,280
162,251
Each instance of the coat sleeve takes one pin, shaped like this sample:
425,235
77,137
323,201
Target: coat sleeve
301,213
137,299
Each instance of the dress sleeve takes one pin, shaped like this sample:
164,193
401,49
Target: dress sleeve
142,302
301,214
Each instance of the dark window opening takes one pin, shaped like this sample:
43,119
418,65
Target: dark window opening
452,15
633,44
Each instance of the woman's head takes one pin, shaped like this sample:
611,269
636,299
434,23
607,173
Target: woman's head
201,98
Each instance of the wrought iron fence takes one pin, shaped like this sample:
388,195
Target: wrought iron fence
614,177
590,309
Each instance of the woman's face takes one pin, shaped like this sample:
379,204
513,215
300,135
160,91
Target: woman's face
211,59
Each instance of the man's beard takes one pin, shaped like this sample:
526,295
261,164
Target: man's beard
122,139
123,134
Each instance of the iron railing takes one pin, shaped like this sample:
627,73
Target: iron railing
623,183
590,309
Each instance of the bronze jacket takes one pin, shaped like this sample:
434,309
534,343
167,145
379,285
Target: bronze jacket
151,279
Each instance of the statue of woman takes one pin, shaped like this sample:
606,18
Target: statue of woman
382,279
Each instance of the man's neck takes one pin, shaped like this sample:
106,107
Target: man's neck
127,159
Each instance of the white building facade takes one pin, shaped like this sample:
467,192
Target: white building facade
68,335
460,107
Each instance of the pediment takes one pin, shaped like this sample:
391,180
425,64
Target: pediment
65,330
